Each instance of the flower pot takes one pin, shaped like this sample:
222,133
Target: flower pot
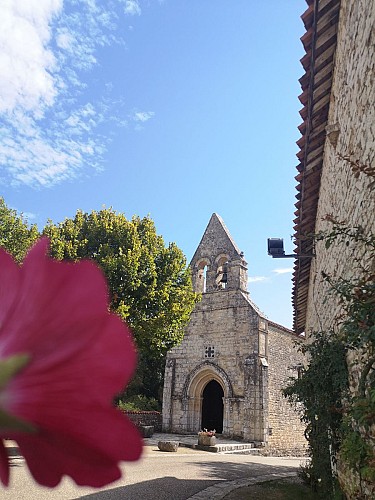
206,440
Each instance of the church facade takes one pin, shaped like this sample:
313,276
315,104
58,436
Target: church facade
228,372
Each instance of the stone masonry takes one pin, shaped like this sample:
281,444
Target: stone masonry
352,115
347,197
230,368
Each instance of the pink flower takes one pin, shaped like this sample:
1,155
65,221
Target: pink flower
63,357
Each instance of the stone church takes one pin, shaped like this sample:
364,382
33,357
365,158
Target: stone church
228,372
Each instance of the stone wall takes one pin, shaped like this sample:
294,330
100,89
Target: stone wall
349,198
221,336
220,374
286,432
352,126
252,359
145,418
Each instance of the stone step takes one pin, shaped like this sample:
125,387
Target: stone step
249,451
234,447
239,448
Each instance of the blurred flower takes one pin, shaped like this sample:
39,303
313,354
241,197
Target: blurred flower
63,357
205,432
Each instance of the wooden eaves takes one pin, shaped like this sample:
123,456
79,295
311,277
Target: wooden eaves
319,41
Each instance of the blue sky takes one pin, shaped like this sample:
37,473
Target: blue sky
172,108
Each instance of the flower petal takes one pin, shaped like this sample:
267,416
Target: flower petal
89,457
94,377
79,357
52,297
4,465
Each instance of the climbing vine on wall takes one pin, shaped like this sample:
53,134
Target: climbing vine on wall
337,386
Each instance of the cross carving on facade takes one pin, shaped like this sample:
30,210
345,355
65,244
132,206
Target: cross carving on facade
209,352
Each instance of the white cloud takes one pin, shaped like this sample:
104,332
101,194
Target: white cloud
44,157
27,63
143,116
284,270
48,133
132,8
256,279
64,39
29,215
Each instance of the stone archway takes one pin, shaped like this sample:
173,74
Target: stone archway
213,407
193,396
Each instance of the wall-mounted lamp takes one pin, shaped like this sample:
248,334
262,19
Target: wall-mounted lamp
276,250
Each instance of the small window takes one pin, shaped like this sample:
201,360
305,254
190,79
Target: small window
209,351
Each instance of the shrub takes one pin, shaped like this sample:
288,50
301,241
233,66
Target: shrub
139,402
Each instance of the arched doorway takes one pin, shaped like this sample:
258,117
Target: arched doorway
193,396
212,407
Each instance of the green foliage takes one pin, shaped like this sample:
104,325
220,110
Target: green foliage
357,294
320,393
341,234
16,236
150,284
139,402
340,422
355,450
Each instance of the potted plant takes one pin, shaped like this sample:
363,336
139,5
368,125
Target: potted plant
207,438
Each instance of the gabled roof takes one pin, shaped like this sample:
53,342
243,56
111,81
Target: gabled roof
216,239
319,41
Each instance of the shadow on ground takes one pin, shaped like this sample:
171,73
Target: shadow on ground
167,488
229,471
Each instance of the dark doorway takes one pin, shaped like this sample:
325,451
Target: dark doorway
212,407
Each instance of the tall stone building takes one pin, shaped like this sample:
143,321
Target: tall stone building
337,153
228,372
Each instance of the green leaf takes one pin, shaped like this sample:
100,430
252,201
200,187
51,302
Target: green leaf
11,423
16,236
9,367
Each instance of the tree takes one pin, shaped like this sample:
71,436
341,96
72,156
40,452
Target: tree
149,282
16,236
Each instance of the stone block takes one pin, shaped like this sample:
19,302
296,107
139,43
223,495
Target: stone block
146,430
168,445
